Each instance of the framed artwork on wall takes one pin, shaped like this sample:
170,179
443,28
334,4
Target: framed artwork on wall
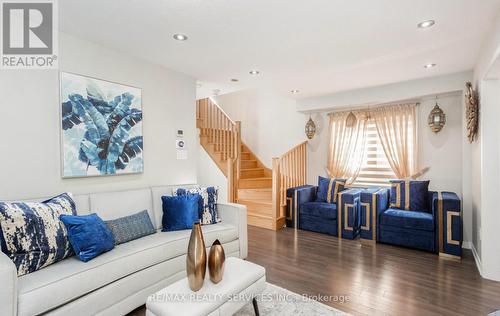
101,127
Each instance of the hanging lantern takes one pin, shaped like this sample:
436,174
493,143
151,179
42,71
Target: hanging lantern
310,128
351,120
436,119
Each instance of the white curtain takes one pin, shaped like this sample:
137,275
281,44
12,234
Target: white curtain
397,130
347,146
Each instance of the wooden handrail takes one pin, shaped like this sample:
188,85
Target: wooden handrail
289,170
225,134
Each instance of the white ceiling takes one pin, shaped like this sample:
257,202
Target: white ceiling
316,46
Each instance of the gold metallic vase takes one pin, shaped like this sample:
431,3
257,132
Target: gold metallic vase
216,259
196,260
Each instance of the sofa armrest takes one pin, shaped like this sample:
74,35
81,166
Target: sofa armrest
8,290
236,214
447,211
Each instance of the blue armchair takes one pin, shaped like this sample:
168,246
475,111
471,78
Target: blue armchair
322,217
435,228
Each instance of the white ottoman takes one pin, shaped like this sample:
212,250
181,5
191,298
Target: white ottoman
241,282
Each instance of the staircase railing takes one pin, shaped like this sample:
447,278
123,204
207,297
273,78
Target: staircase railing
225,135
289,170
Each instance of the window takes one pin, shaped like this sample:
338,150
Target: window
375,169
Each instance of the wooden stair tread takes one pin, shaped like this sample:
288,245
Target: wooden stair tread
257,179
248,201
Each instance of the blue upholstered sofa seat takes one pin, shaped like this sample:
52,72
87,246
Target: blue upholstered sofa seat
407,219
319,209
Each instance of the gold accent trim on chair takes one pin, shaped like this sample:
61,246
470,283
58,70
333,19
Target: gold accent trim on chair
374,215
449,239
440,219
367,208
407,195
397,187
339,216
329,193
346,216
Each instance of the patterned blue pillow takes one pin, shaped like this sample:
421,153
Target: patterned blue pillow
131,227
207,204
410,195
328,189
33,236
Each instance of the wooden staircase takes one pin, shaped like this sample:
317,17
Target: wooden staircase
250,182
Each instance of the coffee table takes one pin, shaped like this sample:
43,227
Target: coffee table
241,283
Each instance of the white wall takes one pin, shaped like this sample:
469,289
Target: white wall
271,124
486,157
444,152
30,126
209,174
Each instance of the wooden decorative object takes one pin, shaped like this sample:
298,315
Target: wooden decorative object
310,128
471,111
196,259
216,259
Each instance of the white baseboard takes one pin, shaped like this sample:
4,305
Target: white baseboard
477,259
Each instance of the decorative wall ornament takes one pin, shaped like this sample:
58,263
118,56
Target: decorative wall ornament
436,119
310,128
101,127
471,112
351,120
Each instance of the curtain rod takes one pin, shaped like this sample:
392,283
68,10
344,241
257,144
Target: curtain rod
374,107
418,99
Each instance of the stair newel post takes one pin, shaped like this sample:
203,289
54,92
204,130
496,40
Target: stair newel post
238,150
276,191
231,191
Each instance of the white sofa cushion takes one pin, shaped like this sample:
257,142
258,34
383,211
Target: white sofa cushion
69,279
112,205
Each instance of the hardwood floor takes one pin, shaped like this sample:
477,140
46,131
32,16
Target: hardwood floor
378,279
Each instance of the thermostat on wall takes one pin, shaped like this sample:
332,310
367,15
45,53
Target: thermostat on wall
180,144
180,133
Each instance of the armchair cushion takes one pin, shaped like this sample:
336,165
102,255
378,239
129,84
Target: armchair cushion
319,209
410,195
328,189
418,220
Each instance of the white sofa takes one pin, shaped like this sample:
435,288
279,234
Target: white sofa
118,281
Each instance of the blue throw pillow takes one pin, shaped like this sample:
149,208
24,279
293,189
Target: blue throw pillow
179,212
131,227
32,235
410,195
89,236
328,189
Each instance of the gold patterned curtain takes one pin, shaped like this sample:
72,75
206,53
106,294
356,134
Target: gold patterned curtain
397,130
347,144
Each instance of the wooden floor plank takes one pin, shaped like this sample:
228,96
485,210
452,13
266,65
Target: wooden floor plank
379,279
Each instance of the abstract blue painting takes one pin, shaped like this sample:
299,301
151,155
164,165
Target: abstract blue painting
101,127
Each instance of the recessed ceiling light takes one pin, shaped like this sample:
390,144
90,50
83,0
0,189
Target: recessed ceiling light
295,91
234,80
430,66
426,24
180,37
254,72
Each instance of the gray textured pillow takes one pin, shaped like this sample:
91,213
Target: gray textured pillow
131,227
